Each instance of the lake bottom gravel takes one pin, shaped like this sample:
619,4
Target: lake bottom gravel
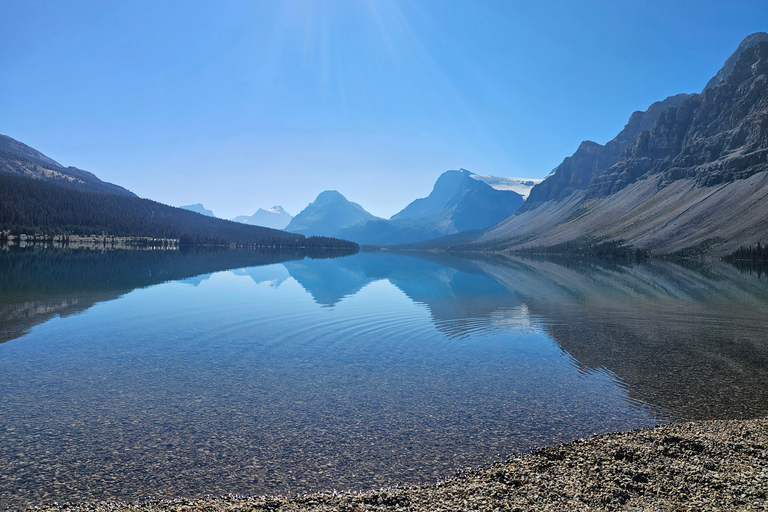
708,465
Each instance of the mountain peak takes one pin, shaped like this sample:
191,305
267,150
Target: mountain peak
327,196
328,215
748,42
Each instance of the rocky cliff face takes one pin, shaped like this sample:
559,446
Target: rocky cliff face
748,42
715,137
591,159
689,171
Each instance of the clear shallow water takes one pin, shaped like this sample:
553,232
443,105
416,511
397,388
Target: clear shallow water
355,372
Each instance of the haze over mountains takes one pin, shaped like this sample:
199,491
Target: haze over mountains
275,218
689,173
460,201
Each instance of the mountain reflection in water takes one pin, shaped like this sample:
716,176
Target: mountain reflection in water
182,373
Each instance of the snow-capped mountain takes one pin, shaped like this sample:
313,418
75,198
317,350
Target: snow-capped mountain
275,217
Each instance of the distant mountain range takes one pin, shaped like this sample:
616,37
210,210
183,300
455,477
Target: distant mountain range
687,175
198,208
460,201
275,218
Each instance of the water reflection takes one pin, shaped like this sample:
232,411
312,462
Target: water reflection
286,374
691,340
39,283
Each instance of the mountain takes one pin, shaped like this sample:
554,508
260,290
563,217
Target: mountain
460,201
198,208
328,215
39,196
275,218
591,159
690,174
748,42
19,159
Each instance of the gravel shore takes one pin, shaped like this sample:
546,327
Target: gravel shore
709,465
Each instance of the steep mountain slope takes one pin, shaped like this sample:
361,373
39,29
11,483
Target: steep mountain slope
697,176
748,42
458,202
328,215
592,159
275,218
198,208
22,160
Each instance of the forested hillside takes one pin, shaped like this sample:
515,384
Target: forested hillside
33,206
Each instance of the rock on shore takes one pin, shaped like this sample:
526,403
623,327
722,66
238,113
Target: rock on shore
710,465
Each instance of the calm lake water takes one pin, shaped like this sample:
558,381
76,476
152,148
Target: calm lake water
134,374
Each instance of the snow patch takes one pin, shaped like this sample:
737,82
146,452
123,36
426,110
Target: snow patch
522,186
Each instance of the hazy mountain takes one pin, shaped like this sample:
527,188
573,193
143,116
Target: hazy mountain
690,171
275,218
328,215
198,208
460,201
22,160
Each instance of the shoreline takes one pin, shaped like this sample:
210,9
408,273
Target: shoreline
703,465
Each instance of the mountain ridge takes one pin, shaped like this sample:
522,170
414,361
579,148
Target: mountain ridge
22,160
458,202
696,178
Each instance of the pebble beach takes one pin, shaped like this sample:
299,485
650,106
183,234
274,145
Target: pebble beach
706,465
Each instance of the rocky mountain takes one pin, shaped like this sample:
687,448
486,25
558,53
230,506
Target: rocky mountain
19,159
198,208
748,42
329,215
275,218
591,159
689,173
460,201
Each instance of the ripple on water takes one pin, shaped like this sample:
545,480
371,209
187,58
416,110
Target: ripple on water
231,387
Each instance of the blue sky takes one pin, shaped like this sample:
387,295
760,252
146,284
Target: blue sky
248,104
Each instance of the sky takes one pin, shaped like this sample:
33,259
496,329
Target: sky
241,105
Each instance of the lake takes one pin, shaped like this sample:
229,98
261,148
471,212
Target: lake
134,374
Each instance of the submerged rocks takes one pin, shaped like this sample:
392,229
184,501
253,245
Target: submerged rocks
710,465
